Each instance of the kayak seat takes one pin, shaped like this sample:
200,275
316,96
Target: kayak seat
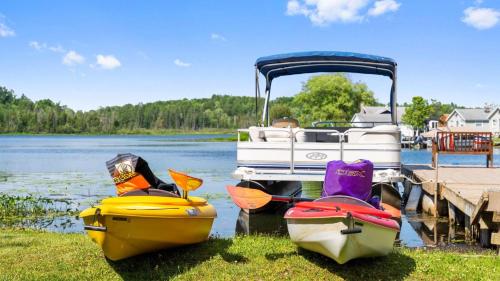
345,199
150,192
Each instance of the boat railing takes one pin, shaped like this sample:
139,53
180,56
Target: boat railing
471,143
292,135
349,124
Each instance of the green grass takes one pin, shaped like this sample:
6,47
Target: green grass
233,137
32,255
496,141
161,132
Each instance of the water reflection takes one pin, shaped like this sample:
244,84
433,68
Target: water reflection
436,231
267,222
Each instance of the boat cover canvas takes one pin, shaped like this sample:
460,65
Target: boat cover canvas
324,61
351,179
130,172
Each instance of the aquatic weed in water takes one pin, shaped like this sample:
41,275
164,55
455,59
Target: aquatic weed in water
33,211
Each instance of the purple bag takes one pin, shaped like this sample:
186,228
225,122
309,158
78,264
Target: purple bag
351,179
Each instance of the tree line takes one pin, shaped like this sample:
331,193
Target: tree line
22,115
332,97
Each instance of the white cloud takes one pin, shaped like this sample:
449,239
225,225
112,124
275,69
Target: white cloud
180,63
216,36
37,45
57,49
43,46
383,6
73,58
481,18
6,31
108,61
324,12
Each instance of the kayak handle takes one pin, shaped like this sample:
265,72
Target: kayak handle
351,228
290,199
95,228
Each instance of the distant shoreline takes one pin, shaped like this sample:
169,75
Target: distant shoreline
231,134
135,133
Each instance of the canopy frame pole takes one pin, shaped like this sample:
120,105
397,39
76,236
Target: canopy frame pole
394,103
257,95
265,111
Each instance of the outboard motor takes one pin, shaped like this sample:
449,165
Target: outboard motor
130,172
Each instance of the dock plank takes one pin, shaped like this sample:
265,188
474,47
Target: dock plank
462,186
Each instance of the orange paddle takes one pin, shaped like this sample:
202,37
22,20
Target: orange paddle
395,213
249,198
185,181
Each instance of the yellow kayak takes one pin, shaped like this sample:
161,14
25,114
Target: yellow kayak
131,225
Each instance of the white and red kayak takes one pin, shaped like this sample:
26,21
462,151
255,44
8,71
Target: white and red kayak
342,228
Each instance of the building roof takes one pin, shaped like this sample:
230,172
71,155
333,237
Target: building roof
492,112
378,114
472,114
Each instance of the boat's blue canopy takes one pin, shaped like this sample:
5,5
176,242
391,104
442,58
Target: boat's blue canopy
324,61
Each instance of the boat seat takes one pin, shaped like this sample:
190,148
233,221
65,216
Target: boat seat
344,199
285,123
149,192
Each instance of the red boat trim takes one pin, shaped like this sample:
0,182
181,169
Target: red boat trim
317,213
345,206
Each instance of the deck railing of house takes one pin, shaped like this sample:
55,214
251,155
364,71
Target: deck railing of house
471,143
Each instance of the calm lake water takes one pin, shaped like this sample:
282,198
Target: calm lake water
73,167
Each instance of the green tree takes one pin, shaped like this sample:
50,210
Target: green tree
279,111
417,112
438,108
331,97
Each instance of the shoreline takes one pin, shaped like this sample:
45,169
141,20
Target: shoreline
56,256
135,133
232,135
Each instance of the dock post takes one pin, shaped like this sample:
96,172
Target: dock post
468,228
436,187
484,234
451,222
451,214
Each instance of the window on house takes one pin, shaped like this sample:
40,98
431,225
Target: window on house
479,124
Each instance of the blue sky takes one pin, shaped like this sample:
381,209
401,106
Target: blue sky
87,54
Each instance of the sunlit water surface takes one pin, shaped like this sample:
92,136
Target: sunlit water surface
73,167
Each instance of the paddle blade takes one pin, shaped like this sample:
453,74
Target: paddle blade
395,212
184,181
248,198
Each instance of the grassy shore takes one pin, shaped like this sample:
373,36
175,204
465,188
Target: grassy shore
165,132
32,255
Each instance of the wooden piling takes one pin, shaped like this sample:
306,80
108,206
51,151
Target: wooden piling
472,191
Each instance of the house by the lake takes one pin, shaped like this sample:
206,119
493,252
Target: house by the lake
370,116
477,119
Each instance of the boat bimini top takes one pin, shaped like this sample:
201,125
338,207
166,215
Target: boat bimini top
322,61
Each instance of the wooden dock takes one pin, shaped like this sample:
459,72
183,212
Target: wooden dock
468,195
